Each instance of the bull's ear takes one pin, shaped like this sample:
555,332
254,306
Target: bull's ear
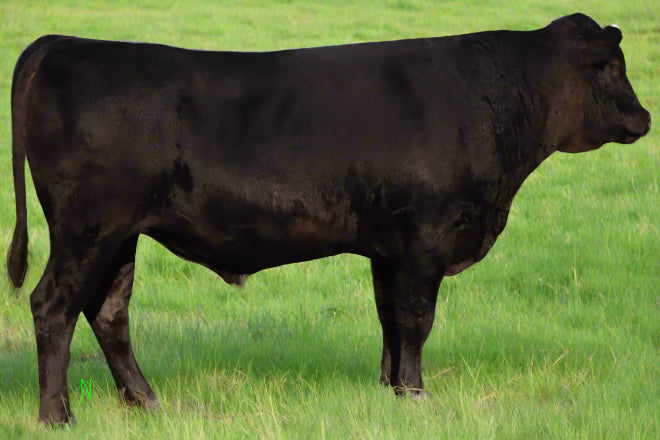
602,45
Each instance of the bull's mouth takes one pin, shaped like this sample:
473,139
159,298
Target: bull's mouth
636,129
630,136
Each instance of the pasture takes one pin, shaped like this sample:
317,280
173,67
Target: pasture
555,334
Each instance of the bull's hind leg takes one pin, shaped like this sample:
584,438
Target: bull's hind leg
78,275
111,327
55,313
406,293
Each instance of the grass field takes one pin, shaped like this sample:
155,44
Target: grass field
556,334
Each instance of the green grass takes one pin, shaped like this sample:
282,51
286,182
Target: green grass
556,334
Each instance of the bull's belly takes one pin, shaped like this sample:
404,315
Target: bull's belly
235,250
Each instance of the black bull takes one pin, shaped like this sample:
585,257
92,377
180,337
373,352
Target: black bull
406,152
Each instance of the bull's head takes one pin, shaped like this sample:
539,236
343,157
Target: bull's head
598,104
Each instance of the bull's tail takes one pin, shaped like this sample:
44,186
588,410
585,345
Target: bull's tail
18,250
17,255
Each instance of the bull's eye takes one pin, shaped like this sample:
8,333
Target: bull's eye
461,222
613,67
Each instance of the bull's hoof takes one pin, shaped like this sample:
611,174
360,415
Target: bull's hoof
414,393
146,400
418,394
58,421
384,380
151,403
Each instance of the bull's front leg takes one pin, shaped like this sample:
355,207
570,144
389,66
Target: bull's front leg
406,292
379,290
